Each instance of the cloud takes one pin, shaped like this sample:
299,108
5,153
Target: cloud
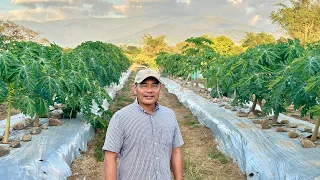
149,7
235,1
100,8
32,4
46,10
242,11
250,10
255,19
149,1
42,14
60,3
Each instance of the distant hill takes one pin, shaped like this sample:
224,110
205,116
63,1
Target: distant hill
130,30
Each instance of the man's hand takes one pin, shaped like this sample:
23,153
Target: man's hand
110,165
176,163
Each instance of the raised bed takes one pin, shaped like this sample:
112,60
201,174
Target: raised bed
49,154
261,154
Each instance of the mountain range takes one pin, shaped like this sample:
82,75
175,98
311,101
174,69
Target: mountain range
72,32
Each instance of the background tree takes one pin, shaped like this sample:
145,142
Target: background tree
151,46
13,32
224,45
252,40
131,51
180,47
199,56
282,39
301,20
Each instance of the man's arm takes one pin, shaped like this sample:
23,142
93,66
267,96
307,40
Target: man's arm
176,163
110,165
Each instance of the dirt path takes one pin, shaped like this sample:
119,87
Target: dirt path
201,159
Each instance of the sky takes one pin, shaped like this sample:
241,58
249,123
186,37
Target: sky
251,12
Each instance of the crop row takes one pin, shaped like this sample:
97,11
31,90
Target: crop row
280,74
34,77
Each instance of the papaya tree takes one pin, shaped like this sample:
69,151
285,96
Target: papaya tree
282,84
94,66
215,75
199,55
306,94
46,80
229,76
105,61
19,79
258,66
171,64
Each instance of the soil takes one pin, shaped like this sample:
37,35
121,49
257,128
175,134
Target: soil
3,111
201,158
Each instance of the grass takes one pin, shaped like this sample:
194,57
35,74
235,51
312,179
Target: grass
191,123
189,120
216,154
196,126
191,170
187,116
98,140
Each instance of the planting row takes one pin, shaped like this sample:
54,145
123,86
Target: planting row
279,75
33,77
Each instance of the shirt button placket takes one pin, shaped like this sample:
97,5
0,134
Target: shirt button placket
155,135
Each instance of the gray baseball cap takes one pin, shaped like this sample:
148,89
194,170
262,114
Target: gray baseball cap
145,73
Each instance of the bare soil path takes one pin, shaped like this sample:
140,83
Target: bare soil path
201,159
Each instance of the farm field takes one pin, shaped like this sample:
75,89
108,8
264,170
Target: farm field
243,78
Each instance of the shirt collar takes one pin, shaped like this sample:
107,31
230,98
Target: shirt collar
137,104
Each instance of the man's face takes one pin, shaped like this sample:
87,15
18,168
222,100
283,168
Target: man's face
147,91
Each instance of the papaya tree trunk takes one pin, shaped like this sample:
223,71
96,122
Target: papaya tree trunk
275,119
185,82
218,92
315,132
253,107
7,130
197,83
71,113
192,84
234,94
36,120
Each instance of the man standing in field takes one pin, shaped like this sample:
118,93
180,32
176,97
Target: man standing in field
144,135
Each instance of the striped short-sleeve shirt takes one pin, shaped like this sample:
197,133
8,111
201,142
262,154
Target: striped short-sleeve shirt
143,142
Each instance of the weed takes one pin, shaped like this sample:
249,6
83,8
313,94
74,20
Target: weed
219,156
191,123
188,116
98,143
196,126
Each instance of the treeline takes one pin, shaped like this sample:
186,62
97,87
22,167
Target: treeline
151,46
34,77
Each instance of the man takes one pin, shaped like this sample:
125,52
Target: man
144,135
